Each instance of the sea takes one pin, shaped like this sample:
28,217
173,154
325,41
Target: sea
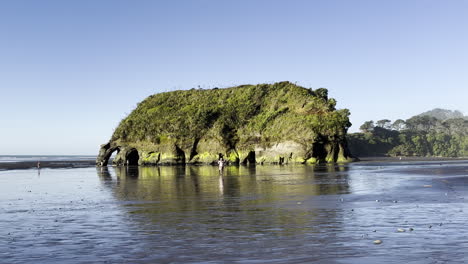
363,212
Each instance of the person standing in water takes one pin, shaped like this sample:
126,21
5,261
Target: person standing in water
221,164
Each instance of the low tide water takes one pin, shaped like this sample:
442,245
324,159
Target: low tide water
261,214
39,158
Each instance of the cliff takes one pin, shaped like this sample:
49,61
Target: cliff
265,123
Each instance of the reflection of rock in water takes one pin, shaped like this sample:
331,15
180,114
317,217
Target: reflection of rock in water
131,171
167,183
332,179
178,207
272,192
105,175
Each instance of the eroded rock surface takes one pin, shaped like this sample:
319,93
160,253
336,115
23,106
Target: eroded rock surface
267,123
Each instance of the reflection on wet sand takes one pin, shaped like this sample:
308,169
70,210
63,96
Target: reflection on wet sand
263,214
251,198
167,183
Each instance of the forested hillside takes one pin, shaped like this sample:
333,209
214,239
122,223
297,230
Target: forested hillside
439,132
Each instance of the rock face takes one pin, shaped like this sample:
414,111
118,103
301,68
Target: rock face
265,123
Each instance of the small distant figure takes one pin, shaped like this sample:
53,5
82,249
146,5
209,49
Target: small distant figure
38,165
221,163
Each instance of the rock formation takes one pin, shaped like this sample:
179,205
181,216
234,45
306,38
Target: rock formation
265,123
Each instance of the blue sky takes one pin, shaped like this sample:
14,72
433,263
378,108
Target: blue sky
71,70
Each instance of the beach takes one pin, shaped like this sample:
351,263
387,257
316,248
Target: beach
363,212
46,164
31,162
22,162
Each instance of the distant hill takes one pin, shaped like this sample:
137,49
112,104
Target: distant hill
443,114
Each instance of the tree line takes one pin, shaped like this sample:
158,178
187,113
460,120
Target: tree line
421,135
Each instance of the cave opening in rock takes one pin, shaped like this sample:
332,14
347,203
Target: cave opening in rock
194,152
319,151
133,157
250,159
180,155
281,160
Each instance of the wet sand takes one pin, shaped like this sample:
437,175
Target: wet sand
80,163
47,164
263,214
409,159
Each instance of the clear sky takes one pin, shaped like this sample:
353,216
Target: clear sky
71,70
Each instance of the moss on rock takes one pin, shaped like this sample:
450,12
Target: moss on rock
265,123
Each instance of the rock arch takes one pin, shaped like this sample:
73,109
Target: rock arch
105,153
124,156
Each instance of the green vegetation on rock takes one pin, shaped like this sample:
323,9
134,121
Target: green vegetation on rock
273,123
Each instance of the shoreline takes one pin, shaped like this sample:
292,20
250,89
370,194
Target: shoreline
57,164
62,164
408,159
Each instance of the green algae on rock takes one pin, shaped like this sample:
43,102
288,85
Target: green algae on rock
265,123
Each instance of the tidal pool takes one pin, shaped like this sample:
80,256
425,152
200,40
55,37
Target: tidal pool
261,214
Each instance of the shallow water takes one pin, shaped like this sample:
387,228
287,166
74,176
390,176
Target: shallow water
263,214
36,158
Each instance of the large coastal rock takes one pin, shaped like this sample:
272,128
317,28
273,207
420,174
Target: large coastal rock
265,123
